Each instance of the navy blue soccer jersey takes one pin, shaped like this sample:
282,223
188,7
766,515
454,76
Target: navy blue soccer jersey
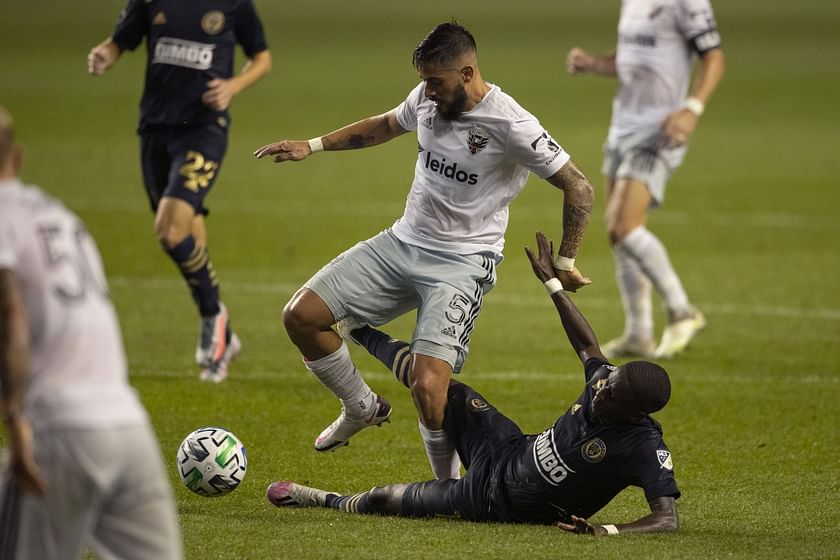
578,465
189,43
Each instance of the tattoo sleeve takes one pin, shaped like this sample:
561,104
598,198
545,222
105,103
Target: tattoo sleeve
575,220
577,206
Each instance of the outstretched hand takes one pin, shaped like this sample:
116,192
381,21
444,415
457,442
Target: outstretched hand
543,262
544,268
580,526
285,150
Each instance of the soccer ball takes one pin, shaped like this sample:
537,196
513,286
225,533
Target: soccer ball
212,462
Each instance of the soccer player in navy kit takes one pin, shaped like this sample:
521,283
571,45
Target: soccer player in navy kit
603,443
183,132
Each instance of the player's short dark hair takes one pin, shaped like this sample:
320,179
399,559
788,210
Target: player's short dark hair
7,133
650,383
443,45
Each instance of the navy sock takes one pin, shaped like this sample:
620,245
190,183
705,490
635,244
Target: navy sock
357,503
393,353
196,268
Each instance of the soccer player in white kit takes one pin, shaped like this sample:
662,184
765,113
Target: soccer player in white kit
652,121
476,148
84,468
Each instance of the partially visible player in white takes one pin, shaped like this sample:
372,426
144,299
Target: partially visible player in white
477,146
652,122
83,467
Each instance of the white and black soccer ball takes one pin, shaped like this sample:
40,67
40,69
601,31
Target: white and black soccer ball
212,462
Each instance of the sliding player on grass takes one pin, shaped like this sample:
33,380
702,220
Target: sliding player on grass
603,443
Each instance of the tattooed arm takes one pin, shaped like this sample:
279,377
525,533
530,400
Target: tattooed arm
362,134
577,207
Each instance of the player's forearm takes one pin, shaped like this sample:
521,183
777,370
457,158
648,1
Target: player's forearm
708,76
253,71
363,134
580,334
13,348
662,518
603,65
578,196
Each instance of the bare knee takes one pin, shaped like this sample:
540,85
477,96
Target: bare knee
169,235
306,314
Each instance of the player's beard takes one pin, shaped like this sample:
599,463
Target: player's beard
454,109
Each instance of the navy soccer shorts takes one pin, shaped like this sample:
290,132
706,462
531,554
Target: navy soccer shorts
182,162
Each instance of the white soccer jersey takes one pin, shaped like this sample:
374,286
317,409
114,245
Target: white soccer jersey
656,39
469,170
78,374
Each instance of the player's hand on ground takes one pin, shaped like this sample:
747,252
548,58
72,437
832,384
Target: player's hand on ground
578,61
285,150
101,57
24,471
578,525
219,94
572,279
678,127
543,261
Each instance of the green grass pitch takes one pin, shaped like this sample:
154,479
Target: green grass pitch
750,222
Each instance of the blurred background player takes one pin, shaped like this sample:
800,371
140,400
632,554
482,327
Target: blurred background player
652,122
184,130
85,468
477,147
603,443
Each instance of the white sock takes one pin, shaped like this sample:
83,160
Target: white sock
442,456
635,291
652,257
340,376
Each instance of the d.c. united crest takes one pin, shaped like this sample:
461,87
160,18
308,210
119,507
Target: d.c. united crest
477,139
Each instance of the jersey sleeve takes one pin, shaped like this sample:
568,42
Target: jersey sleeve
532,147
652,469
592,365
131,27
407,110
249,30
696,21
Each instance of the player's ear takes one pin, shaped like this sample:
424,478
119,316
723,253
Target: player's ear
467,72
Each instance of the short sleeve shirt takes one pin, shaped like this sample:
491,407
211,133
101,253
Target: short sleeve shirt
578,465
656,43
188,44
469,170
77,367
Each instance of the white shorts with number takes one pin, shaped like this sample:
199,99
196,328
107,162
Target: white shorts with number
382,278
106,490
638,156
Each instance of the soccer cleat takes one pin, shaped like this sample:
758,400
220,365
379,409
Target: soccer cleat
628,347
346,326
344,427
678,334
212,338
217,371
285,493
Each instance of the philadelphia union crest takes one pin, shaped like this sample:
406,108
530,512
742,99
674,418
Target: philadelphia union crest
593,450
477,139
213,22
